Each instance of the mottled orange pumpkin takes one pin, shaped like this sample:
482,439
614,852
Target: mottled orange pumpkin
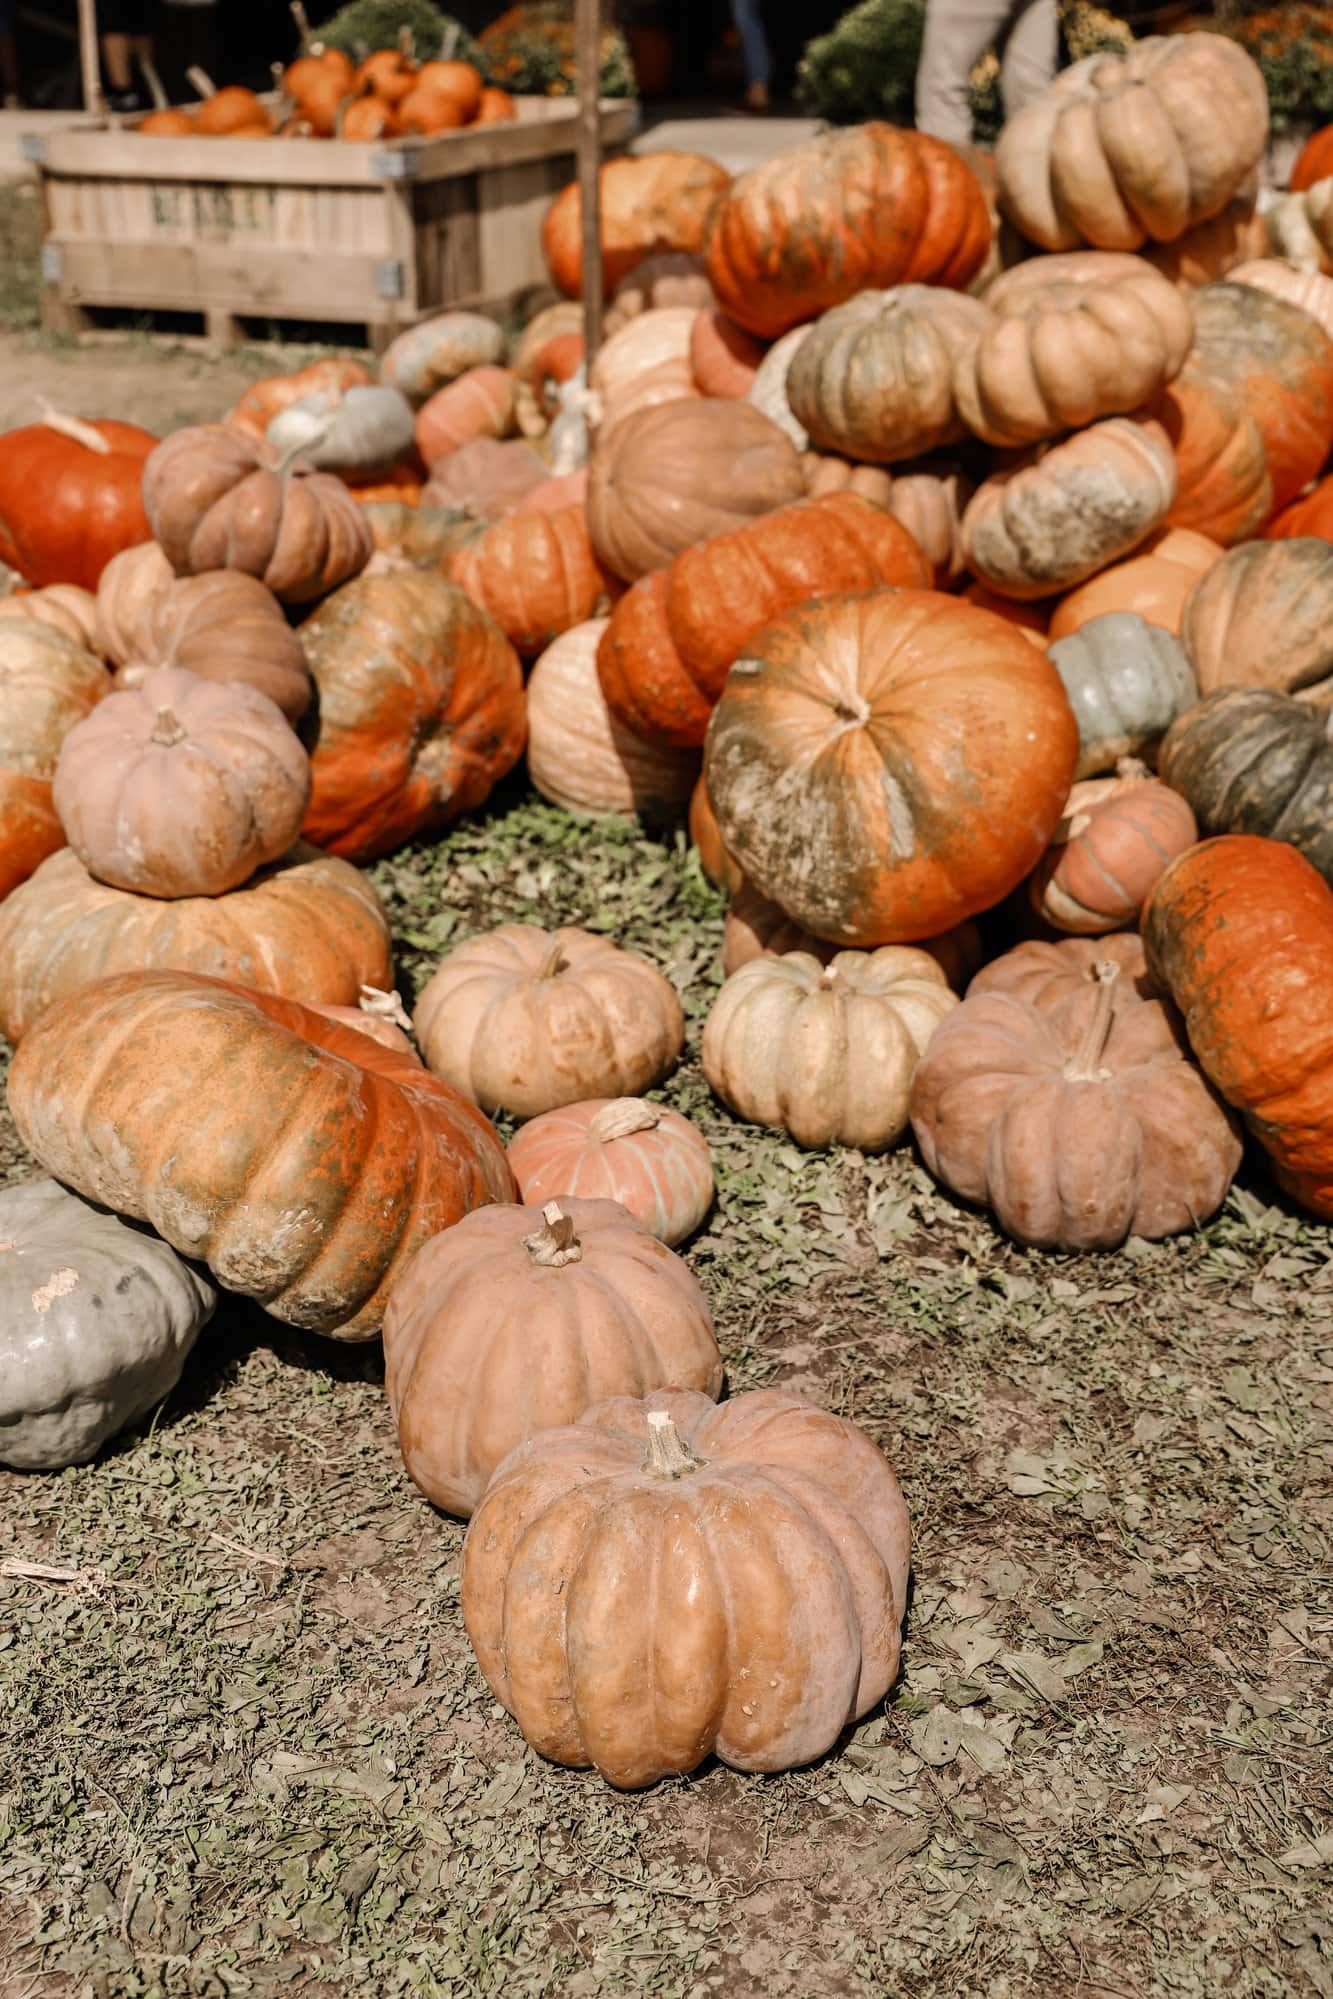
536,574
650,205
480,403
1117,836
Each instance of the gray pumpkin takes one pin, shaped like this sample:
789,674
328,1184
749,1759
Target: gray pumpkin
1249,760
96,1319
345,430
1127,681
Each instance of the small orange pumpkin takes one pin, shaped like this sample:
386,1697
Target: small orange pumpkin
1117,837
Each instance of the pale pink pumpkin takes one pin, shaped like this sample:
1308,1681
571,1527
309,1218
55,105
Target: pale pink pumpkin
1117,837
724,358
479,404
650,1159
582,756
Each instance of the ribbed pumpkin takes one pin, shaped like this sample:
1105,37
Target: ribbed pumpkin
478,404
440,349
1047,974
309,928
874,379
223,626
649,205
844,212
1241,933
420,711
719,866
646,363
928,497
298,1159
1310,290
536,575
723,356
679,473
582,756
519,1319
852,781
1212,249
1263,617
1116,838
1311,514
67,607
1253,761
673,638
47,685
1126,681
265,399
127,586
1154,582
70,498
650,1159
1314,162
756,926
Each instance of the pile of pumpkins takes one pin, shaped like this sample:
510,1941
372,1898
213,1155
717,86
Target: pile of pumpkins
951,579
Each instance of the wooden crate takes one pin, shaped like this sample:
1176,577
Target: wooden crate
303,229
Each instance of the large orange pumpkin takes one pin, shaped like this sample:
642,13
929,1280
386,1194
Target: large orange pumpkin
47,684
536,574
1240,931
674,636
885,765
69,498
847,211
302,1161
650,205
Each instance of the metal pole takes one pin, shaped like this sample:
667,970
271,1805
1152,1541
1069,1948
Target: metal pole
588,38
90,61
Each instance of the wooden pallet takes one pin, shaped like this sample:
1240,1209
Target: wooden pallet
303,229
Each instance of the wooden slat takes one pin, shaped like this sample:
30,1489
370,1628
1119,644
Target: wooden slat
245,281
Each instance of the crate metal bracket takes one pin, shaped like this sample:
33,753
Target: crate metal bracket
32,146
396,166
53,263
389,279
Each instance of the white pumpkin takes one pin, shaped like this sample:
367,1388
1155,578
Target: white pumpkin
347,430
581,756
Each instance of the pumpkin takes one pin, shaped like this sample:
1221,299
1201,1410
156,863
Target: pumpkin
128,583
379,1014
525,1020
1122,149
846,736
300,1161
1212,249
1300,227
1047,975
1311,514
647,362
266,399
1116,838
1250,416
389,73
543,344
536,575
66,607
1068,509
768,390
1314,162
844,212
225,627
1263,617
437,350
485,478
564,489
826,1052
1241,932
673,638
497,107
70,498
1069,339
1251,760
96,1321
1154,582
650,1159
420,711
180,786
717,864
349,430
679,473
581,756
425,111
218,500
168,124
47,685
364,121
1309,290
776,1540
480,403
1127,680
756,927
724,358
517,1320
672,278
414,537
874,378
223,114
651,204
825,472
927,497
1079,1125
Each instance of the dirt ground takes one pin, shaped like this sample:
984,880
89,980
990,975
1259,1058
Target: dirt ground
243,1746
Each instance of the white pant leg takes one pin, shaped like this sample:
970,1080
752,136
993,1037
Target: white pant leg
957,33
1030,55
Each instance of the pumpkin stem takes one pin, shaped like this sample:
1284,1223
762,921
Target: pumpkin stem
553,963
668,1453
1132,769
74,428
621,1118
554,1244
200,80
1085,1066
302,20
384,1006
167,729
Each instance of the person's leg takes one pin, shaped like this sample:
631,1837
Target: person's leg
1031,54
957,33
9,56
754,47
116,62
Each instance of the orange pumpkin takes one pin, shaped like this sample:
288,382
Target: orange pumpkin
48,683
426,110
1117,836
1155,581
232,112
268,398
1312,514
1314,162
479,403
365,120
723,356
650,205
536,574
850,732
650,1159
388,73
719,866
166,124
70,498
497,107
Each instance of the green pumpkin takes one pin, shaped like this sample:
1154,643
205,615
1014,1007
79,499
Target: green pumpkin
1252,761
1127,681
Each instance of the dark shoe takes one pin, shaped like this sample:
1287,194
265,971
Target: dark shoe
124,102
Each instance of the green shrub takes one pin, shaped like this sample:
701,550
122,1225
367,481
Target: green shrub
376,24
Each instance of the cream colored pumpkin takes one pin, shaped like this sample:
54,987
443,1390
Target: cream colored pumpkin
581,756
645,363
128,585
768,391
67,607
1310,290
826,1052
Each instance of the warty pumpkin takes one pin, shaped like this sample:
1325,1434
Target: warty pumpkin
481,403
1250,760
826,1052
1241,933
651,1160
70,497
526,1020
438,350
739,1590
520,1318
420,711
310,928
582,756
674,636
536,575
650,205
1127,681
47,684
306,1179
181,786
874,379
1116,838
1079,1125
1154,583
852,782
844,212
1263,617
225,627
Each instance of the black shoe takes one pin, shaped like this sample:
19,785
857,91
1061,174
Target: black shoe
125,101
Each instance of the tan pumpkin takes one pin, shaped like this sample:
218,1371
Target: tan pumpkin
439,350
674,278
826,472
826,1052
517,1319
777,1542
1121,149
768,390
1155,582
756,927
225,627
1117,837
486,478
1047,974
309,928
217,499
582,756
525,1020
1079,1124
1070,339
1070,508
47,685
1263,617
679,473
874,379
650,1159
128,584
1312,291
647,362
181,786
928,497
67,607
